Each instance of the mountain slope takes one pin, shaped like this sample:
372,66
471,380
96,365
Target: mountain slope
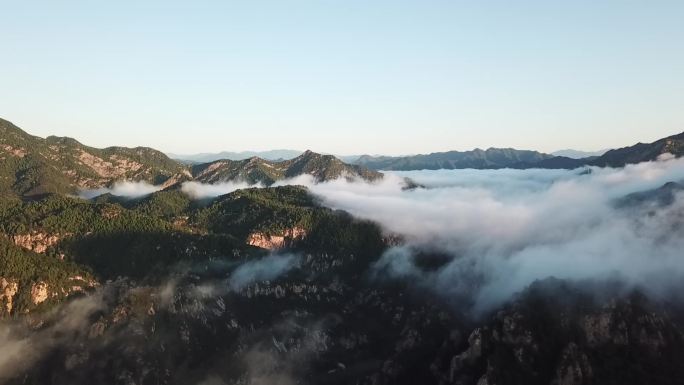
33,166
642,152
257,170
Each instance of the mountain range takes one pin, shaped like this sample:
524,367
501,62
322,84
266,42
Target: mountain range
576,154
268,286
495,158
32,166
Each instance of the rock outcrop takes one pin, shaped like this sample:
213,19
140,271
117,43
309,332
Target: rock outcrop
275,242
37,241
8,289
39,293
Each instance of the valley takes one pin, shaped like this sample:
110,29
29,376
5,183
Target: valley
314,271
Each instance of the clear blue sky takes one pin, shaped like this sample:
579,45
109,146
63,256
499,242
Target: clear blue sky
345,76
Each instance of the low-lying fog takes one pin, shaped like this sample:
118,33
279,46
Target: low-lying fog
503,229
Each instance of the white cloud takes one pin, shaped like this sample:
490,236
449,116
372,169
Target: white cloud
124,189
507,228
197,190
264,269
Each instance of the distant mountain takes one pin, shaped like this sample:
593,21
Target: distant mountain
642,152
210,157
495,158
257,170
349,158
492,158
575,154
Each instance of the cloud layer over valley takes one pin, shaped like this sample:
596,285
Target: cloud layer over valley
504,229
497,231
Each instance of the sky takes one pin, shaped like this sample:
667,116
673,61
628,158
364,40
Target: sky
345,76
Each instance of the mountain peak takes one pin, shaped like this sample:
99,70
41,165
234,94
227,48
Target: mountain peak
308,154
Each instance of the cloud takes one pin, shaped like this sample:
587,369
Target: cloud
124,189
197,190
504,229
264,269
23,347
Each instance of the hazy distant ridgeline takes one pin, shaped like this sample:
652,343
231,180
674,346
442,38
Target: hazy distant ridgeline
575,154
273,155
495,158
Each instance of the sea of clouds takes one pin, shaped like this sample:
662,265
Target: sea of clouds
504,229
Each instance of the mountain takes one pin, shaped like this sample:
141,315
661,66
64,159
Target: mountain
31,165
575,154
349,158
66,245
268,286
162,289
276,155
642,152
257,170
491,158
495,158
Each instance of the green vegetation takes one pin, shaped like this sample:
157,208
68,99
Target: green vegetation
58,214
31,166
270,211
26,268
24,265
146,238
114,236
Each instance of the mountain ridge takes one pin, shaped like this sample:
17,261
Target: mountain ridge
495,158
490,158
642,152
33,166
